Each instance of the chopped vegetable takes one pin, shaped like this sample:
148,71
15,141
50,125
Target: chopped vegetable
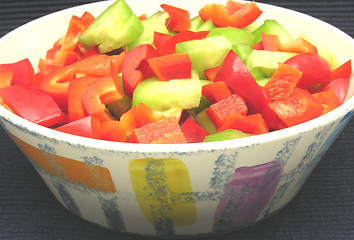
227,134
193,132
163,95
179,19
173,66
168,78
131,74
22,71
114,28
234,14
300,107
220,110
314,68
166,130
33,104
85,127
98,94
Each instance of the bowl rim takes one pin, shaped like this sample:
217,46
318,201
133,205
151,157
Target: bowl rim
334,115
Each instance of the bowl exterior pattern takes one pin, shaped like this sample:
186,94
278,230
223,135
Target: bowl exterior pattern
166,194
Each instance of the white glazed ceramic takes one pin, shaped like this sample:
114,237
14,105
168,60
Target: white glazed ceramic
183,189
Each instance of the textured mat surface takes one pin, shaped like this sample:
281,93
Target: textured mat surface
323,209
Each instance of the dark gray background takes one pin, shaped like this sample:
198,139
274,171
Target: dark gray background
323,209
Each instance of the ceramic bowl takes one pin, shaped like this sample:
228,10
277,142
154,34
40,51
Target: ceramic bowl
183,189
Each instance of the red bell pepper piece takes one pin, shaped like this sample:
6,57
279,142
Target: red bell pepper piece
111,130
179,19
216,91
38,78
328,99
210,73
266,93
258,46
300,107
62,57
76,91
193,132
32,104
298,45
51,52
340,87
5,78
59,42
45,66
23,71
3,104
343,71
173,66
252,124
145,115
80,49
166,130
85,127
117,65
282,83
172,138
56,82
219,111
87,17
97,65
121,130
143,17
169,46
116,68
145,69
131,75
236,75
160,38
98,94
315,69
76,27
270,42
233,14
65,57
90,52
